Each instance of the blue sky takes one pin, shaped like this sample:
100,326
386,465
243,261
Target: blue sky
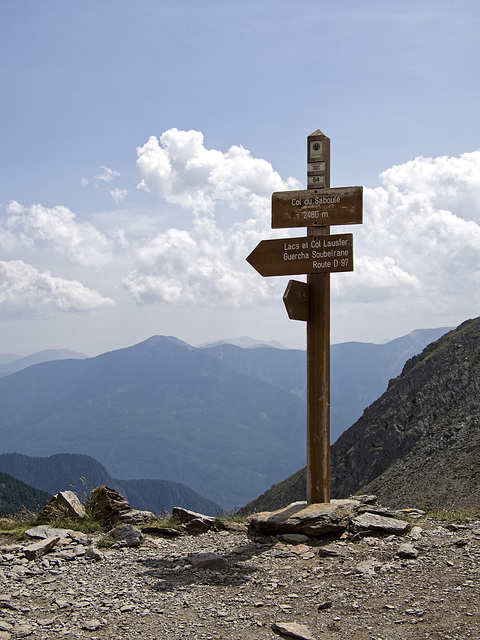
140,142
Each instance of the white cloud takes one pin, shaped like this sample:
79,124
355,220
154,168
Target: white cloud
119,195
417,250
178,168
182,268
26,291
419,246
204,264
79,242
106,174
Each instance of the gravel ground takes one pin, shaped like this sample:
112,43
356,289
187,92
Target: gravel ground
337,588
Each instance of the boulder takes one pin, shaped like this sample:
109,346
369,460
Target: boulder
197,525
207,560
311,520
127,535
65,503
136,516
108,505
194,522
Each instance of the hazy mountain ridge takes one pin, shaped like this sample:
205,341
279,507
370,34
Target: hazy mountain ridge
161,409
360,371
10,363
419,442
245,342
217,419
81,473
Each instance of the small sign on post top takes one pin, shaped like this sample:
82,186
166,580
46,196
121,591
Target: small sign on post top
318,167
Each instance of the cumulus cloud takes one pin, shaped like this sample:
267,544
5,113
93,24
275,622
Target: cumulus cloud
178,168
26,291
79,242
182,268
204,264
418,246
420,241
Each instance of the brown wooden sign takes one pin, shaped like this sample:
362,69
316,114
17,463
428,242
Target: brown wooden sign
310,254
317,207
297,300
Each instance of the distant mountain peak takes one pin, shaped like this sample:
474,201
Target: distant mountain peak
13,364
245,342
158,339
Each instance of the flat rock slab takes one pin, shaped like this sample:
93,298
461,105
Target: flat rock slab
185,515
38,549
44,531
168,532
294,630
311,520
375,522
406,550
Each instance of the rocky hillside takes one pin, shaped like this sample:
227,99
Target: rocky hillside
16,496
419,443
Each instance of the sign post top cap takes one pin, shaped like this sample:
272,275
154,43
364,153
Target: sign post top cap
317,133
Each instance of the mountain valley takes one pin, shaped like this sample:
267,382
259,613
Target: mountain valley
227,421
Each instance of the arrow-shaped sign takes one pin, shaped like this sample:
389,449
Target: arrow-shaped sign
297,300
308,254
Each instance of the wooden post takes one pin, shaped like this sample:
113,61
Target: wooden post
318,341
310,301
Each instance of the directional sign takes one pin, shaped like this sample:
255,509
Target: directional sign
297,300
317,207
309,254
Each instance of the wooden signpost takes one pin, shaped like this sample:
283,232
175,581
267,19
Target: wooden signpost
318,254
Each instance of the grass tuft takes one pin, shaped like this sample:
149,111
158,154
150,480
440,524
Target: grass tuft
457,516
17,525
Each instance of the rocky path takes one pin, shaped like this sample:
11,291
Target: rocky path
423,584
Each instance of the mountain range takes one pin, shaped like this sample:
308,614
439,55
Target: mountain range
224,420
416,445
158,410
69,472
360,371
10,363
